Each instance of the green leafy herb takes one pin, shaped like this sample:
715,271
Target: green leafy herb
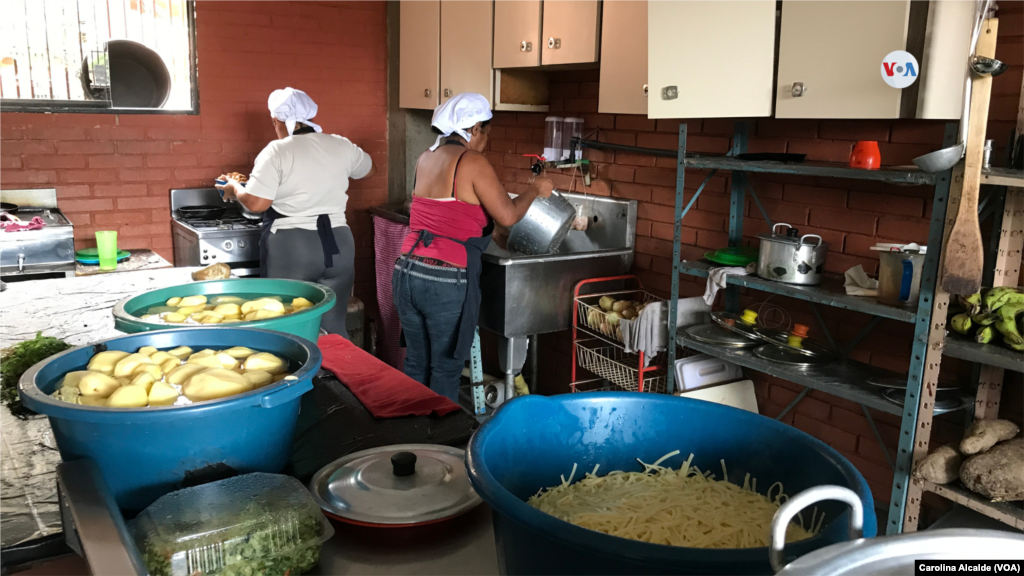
14,361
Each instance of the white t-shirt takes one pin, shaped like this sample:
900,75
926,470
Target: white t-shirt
307,175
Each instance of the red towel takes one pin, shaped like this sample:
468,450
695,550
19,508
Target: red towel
384,391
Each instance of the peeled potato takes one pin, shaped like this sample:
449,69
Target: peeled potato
160,357
97,384
182,373
227,361
105,361
283,376
145,380
239,352
203,352
146,351
211,320
123,380
198,300
128,364
216,383
258,378
173,301
71,379
218,300
266,362
189,310
169,365
128,397
301,303
229,309
263,304
267,314
180,352
250,316
174,317
92,401
210,361
162,394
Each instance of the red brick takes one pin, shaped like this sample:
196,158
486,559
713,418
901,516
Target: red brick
887,204
814,196
710,202
76,191
664,196
617,173
643,227
107,133
145,229
784,212
145,147
846,220
88,176
860,245
763,145
918,132
78,218
813,408
52,161
634,122
134,203
787,129
634,159
58,133
655,212
904,229
85,147
145,174
87,205
712,239
632,191
12,147
824,150
27,176
655,177
170,160
623,138
121,216
902,154
854,130
106,190
879,473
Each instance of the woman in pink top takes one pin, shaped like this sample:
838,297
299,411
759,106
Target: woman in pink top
456,201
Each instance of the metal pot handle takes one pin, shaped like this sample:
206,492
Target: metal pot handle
777,224
803,240
777,537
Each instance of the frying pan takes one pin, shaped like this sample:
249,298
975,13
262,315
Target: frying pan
8,207
202,212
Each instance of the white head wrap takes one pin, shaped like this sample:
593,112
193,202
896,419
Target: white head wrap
291,106
459,115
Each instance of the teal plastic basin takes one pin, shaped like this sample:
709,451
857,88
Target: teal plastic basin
305,324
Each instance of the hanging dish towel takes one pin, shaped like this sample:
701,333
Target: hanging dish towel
717,278
858,283
384,391
648,333
387,244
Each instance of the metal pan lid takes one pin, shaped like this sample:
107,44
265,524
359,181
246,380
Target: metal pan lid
900,383
400,485
715,334
742,325
795,343
782,355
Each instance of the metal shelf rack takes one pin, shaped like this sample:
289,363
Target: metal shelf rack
987,354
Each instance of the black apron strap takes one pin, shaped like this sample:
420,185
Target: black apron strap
268,222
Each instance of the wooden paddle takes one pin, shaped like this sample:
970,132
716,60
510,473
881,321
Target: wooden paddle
964,253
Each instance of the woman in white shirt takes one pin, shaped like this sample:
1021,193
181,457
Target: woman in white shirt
300,185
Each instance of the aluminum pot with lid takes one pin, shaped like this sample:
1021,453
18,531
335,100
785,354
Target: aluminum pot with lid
791,258
885,555
544,227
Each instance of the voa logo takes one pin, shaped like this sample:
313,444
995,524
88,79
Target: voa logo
899,69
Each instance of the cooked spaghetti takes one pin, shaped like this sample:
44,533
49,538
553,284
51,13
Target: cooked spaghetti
684,507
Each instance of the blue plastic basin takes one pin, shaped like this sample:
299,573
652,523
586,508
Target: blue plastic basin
145,453
530,441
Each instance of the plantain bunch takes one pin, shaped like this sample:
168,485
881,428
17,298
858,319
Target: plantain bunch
993,314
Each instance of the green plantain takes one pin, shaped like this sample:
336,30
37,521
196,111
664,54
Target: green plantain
984,335
1007,325
970,303
986,319
961,323
998,297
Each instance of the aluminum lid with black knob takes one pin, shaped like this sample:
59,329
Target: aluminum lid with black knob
400,485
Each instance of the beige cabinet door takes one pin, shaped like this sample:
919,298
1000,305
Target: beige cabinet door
623,88
571,30
710,59
517,33
835,49
419,54
466,41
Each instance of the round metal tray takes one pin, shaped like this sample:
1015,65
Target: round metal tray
900,383
808,347
945,403
734,322
782,355
715,334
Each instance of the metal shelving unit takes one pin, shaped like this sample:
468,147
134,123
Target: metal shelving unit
987,354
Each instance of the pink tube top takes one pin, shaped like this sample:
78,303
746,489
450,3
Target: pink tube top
444,217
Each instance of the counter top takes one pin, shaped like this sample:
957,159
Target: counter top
138,260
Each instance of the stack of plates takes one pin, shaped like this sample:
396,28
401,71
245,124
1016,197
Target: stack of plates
91,257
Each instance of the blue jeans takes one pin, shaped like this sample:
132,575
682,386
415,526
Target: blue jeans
429,301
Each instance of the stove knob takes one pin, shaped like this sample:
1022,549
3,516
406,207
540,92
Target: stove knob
204,250
242,243
228,245
205,258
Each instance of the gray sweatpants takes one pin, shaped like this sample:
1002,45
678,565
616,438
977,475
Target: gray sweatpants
297,255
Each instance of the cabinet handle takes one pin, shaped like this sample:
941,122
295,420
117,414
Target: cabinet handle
526,46
447,93
798,89
645,89
554,43
426,93
669,92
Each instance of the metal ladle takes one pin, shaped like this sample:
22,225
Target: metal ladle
985,66
942,160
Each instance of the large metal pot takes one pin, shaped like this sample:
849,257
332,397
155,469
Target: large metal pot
886,555
544,227
791,258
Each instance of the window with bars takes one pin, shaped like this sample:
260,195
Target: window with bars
98,55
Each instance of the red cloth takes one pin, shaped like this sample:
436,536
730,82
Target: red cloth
387,242
384,391
14,225
449,217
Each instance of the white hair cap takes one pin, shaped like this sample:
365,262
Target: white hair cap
291,106
459,114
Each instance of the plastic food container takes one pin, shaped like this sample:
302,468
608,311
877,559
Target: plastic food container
305,324
553,129
530,442
250,524
572,128
145,453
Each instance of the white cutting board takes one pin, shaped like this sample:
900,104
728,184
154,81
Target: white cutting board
736,394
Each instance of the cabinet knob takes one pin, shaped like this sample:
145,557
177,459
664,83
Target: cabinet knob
554,43
426,93
798,89
670,93
526,46
645,90
447,93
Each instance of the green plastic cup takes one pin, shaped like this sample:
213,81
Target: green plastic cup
106,247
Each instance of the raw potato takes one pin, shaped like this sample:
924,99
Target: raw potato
189,310
266,314
127,365
181,352
984,434
227,361
211,320
229,309
266,362
203,352
128,397
162,394
174,317
239,352
216,383
92,401
71,379
105,361
169,365
941,466
258,378
160,357
606,303
182,373
209,361
144,380
147,351
621,305
97,384
997,474
219,271
123,380
300,302
198,300
176,301
218,300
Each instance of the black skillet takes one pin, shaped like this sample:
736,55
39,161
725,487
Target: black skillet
8,207
202,212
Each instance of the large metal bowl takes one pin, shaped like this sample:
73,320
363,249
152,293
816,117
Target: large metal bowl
544,227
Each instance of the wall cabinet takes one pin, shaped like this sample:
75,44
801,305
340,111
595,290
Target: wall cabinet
708,59
444,50
623,88
533,33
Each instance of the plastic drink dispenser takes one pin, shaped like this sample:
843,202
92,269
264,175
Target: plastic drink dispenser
573,128
553,129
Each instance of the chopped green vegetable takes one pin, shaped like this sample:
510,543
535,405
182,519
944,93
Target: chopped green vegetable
14,361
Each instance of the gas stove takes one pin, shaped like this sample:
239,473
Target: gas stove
231,238
34,254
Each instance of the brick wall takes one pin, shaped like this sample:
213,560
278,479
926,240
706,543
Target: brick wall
850,215
113,172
